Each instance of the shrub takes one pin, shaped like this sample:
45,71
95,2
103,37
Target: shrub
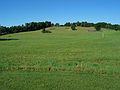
73,27
46,31
98,27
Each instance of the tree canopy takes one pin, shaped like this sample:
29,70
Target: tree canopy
32,26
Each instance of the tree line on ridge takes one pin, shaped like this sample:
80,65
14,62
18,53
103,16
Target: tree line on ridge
32,26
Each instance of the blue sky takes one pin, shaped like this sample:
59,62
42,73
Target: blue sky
15,12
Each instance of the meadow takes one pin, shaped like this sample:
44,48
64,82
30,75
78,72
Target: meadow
61,60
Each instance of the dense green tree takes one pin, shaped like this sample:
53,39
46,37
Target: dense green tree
116,27
73,27
57,24
67,24
98,27
102,24
78,23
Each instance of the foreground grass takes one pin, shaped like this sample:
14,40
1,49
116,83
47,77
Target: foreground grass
57,81
62,60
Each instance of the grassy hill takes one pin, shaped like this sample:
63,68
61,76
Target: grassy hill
61,60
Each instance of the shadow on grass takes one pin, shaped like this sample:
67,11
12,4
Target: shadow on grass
8,39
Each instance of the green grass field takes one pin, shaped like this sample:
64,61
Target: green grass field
61,60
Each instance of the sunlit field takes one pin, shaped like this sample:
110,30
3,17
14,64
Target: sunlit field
62,60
